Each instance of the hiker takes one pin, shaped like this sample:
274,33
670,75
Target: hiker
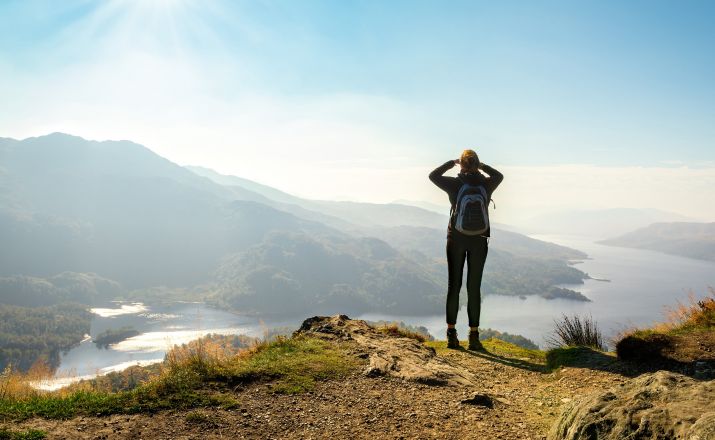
467,236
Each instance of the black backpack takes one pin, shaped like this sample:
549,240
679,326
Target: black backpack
470,214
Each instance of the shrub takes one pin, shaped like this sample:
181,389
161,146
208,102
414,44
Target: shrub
576,331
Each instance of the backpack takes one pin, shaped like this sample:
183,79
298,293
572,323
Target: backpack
470,214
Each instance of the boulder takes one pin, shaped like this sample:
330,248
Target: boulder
661,405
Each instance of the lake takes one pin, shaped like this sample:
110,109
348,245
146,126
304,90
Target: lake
642,283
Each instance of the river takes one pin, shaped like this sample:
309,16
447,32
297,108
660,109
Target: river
160,328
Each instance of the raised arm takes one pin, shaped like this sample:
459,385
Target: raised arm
437,177
494,177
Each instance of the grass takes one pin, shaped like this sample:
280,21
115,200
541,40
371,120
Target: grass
192,377
499,348
30,434
202,418
680,337
582,357
693,316
696,315
294,364
395,330
576,331
534,359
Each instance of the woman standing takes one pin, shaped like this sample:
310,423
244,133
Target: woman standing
462,243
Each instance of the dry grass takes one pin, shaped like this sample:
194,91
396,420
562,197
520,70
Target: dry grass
205,354
15,384
395,330
292,365
693,315
685,317
688,323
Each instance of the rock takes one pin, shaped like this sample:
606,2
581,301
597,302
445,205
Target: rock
655,406
480,400
400,357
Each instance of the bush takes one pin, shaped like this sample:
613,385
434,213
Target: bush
575,331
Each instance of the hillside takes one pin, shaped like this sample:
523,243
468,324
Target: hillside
598,223
339,378
120,212
354,214
693,240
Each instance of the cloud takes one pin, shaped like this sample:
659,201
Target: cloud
169,80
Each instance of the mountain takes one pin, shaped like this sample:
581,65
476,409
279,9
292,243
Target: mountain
268,193
88,289
245,189
118,211
293,273
351,213
693,240
598,223
440,209
518,265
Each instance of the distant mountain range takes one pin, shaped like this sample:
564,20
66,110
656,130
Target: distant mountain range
597,223
119,212
694,240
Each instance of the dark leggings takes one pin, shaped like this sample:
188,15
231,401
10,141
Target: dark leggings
474,250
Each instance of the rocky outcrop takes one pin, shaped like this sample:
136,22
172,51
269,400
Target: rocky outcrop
400,357
662,405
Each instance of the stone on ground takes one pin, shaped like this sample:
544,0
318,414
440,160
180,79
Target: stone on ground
655,406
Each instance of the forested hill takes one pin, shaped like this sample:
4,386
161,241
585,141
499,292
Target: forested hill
687,239
120,212
39,333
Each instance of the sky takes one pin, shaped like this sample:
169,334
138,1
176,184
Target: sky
589,104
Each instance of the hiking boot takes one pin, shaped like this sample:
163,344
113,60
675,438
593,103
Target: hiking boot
452,341
474,343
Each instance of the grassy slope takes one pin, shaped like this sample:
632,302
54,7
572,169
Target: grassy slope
687,336
193,379
195,376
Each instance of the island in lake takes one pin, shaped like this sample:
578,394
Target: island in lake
113,336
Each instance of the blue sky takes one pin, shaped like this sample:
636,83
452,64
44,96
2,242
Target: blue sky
357,85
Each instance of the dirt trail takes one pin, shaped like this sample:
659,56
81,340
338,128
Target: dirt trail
507,398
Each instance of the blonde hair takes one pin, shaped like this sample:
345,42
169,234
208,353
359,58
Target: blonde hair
469,161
